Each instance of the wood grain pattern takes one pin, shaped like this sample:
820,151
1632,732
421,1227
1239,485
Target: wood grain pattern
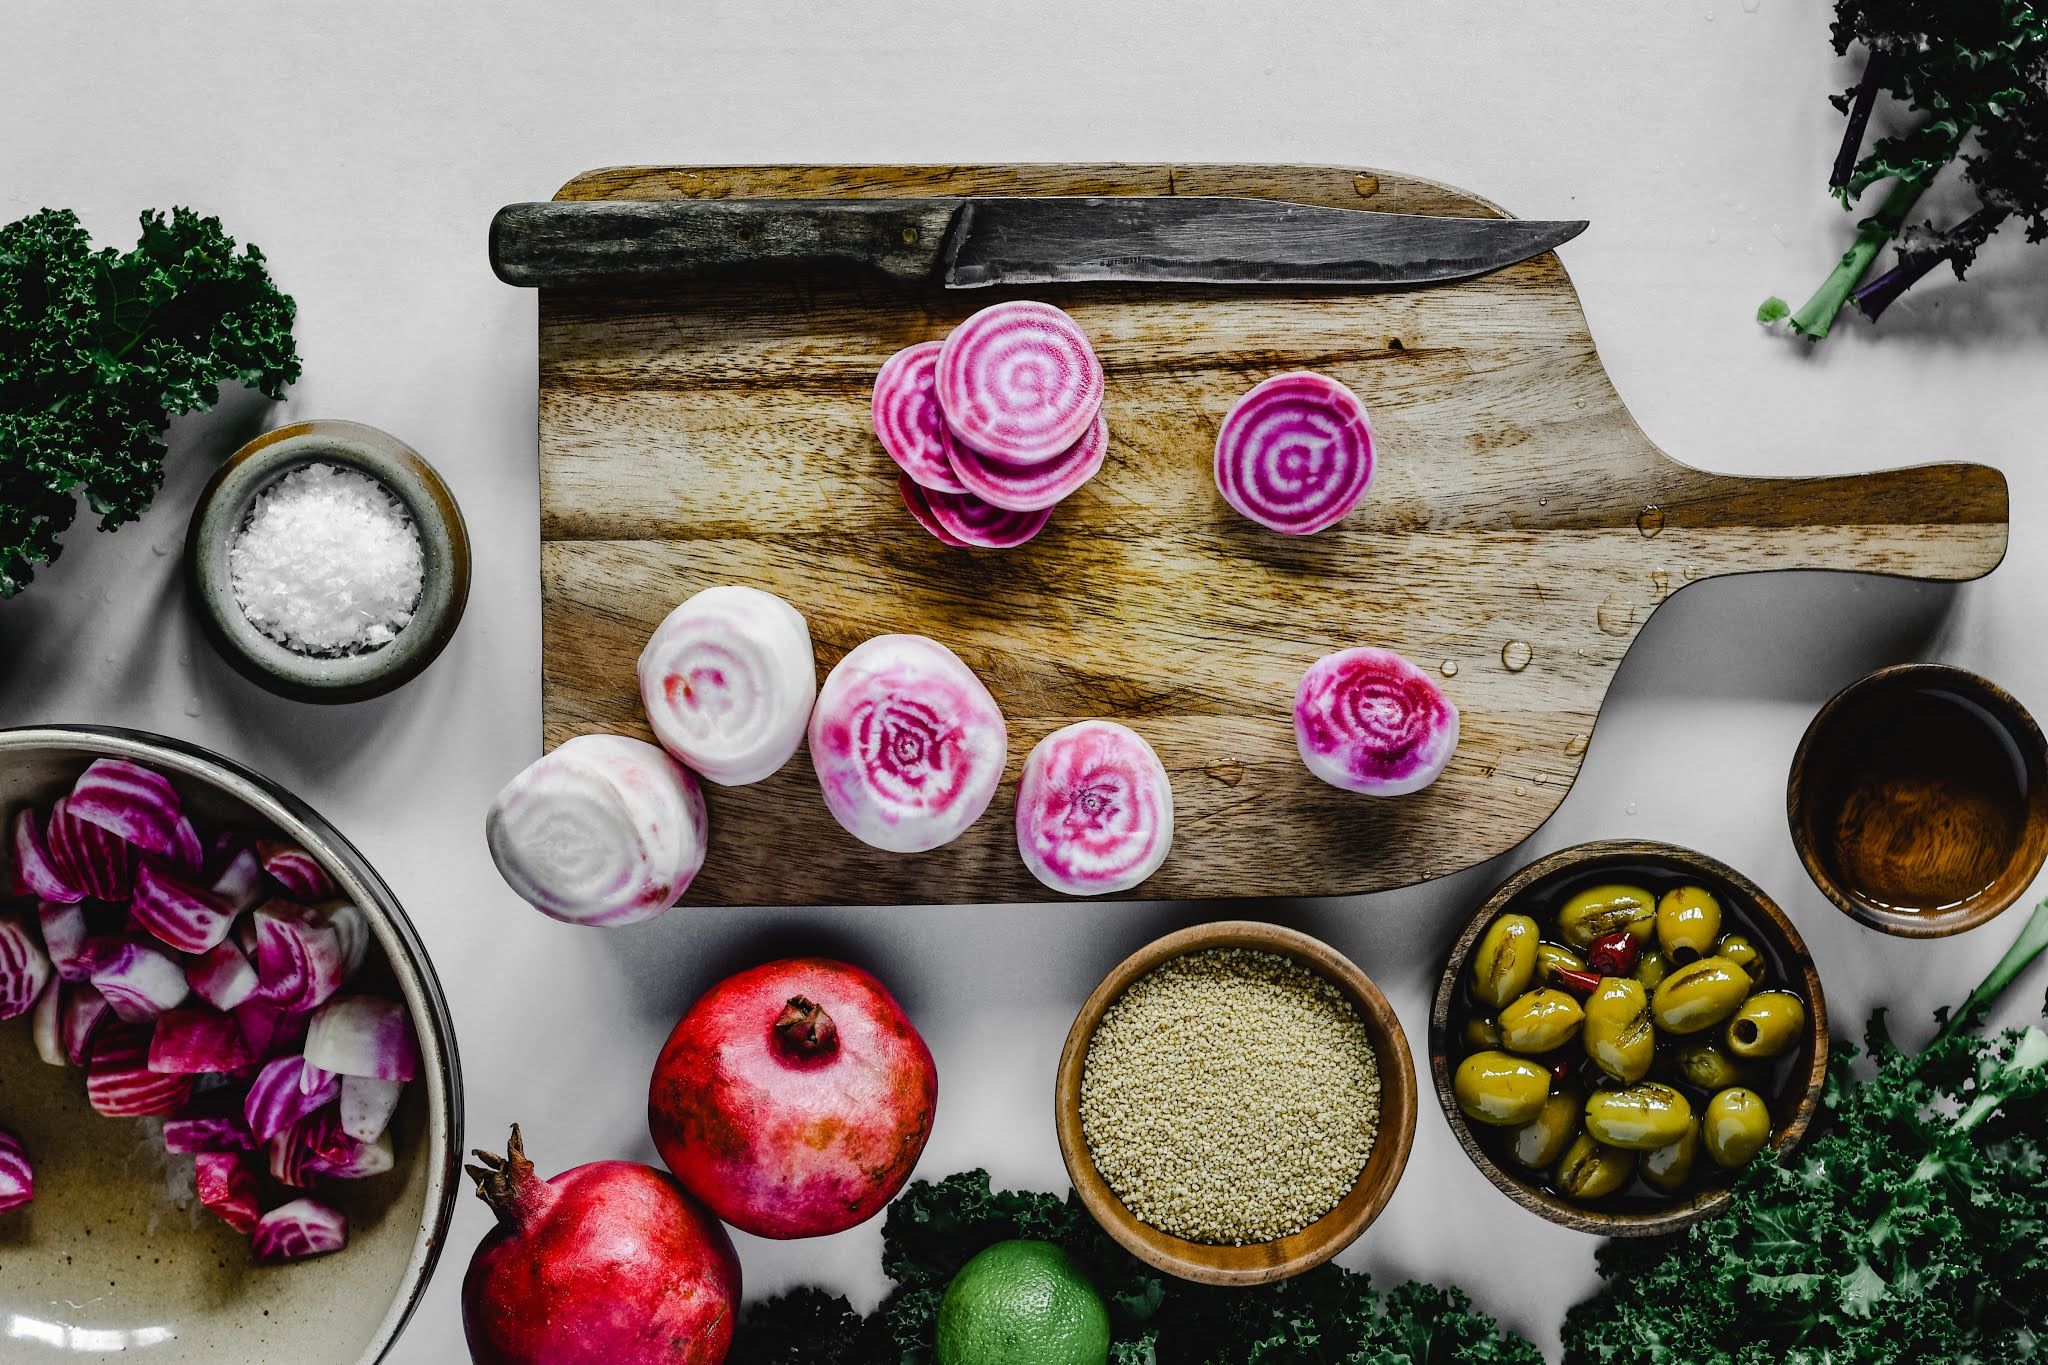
1518,516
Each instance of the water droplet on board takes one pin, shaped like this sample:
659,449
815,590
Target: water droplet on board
1514,655
1617,615
1521,790
1576,745
1449,668
1650,520
1691,571
1661,581
1228,771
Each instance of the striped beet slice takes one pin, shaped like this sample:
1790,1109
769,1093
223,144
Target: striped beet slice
17,1177
1295,454
35,873
976,523
908,420
1094,809
1032,487
1019,381
85,855
304,1227
227,1185
119,1083
921,511
294,869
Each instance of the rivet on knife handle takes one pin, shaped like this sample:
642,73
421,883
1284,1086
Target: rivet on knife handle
628,244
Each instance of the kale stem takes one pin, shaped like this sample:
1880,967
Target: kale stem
1859,120
2028,946
1817,314
1881,293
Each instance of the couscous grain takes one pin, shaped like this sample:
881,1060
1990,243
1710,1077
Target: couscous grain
1230,1096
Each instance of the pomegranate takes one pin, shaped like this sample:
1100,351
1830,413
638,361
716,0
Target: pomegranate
607,1263
794,1098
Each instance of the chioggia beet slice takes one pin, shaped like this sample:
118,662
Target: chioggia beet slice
603,831
921,511
17,1177
25,970
908,420
294,869
185,1042
364,1035
35,874
302,1228
189,918
907,743
46,1024
728,679
227,1186
139,981
94,859
221,977
608,1262
1033,487
1369,721
367,1105
65,932
82,1012
135,804
119,1083
1094,809
1295,454
970,521
1019,381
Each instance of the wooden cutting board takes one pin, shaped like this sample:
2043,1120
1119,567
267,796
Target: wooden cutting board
1520,530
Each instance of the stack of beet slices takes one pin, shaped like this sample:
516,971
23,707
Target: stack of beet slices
993,426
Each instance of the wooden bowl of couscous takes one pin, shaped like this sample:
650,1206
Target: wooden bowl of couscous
1235,1103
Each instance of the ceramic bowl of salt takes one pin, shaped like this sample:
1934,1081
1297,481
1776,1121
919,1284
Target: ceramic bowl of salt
329,562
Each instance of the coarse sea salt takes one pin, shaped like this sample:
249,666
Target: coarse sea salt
328,562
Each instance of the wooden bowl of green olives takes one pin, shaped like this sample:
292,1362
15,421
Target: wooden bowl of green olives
1620,1029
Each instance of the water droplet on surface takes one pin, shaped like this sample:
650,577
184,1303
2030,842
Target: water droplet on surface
159,549
1710,16
1692,571
1576,745
1617,615
1661,581
192,707
108,657
1228,771
1713,235
1514,655
1521,790
1629,809
1449,668
1650,520
1750,6
1366,185
1578,402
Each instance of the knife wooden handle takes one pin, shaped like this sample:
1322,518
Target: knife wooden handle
629,244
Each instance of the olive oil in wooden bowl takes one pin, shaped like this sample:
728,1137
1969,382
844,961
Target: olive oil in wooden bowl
1919,800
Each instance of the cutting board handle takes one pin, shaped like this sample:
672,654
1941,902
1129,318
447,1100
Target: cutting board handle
1936,521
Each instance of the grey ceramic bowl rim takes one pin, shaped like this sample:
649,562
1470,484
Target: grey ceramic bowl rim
444,544
442,1067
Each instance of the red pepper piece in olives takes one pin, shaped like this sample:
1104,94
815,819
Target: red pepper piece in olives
1614,954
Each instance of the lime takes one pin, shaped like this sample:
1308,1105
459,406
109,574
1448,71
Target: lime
1022,1303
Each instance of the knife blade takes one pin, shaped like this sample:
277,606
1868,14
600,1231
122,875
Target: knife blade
975,243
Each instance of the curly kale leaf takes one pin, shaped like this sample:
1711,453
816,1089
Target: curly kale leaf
1913,1227
100,349
1329,1316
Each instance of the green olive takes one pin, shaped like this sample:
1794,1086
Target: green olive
1641,1118
1766,1024
1602,910
1705,1065
1651,969
1700,995
1670,1166
1552,958
1593,1170
1481,1033
1736,1127
1688,921
1738,949
1617,1031
1500,1089
1542,1140
1543,1020
1504,960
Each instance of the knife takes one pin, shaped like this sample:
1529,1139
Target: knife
974,243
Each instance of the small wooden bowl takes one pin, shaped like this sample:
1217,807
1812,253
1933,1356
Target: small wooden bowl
1792,1108
1922,802
444,546
1260,1262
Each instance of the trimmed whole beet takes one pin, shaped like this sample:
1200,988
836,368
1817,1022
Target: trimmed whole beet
607,1263
794,1098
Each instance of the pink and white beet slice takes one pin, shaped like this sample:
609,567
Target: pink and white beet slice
1367,720
1018,381
728,679
1295,454
908,419
921,512
983,525
1094,809
1033,487
908,744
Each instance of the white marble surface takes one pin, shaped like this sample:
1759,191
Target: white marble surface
365,146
